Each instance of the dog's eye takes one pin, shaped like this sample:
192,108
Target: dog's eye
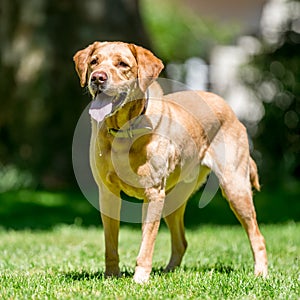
123,64
94,61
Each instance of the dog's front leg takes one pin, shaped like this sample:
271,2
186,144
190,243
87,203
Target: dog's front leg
152,212
110,207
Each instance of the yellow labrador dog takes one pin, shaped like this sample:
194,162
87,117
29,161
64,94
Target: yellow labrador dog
160,149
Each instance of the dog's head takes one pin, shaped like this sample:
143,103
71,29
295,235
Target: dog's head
111,67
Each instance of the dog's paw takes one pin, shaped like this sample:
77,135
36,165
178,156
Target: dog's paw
170,268
141,275
261,270
112,272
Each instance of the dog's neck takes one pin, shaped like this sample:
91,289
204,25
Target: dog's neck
133,108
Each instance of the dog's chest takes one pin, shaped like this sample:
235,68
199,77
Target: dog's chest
118,162
132,165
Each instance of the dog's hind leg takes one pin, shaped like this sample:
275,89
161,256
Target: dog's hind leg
237,190
175,222
174,213
229,158
242,205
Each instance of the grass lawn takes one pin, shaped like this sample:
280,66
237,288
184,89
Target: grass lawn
67,262
51,247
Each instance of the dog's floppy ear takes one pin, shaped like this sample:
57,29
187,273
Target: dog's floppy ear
81,62
149,66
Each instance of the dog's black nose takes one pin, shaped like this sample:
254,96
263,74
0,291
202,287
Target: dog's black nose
99,77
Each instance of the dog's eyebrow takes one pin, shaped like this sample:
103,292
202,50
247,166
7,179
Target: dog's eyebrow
97,56
118,57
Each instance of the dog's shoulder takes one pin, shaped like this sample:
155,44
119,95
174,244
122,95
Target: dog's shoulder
155,90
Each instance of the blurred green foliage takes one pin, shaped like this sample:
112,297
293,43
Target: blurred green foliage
178,33
41,100
276,83
14,179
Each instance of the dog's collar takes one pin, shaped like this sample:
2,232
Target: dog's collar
130,132
133,129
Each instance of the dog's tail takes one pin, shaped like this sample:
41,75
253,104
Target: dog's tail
254,175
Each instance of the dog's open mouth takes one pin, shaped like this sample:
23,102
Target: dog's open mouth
104,106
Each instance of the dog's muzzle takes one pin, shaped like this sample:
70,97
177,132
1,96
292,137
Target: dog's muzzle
98,82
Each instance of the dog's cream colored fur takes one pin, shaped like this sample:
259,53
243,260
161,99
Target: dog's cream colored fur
192,133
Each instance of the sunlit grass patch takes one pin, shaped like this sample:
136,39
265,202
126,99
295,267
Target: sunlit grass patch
67,262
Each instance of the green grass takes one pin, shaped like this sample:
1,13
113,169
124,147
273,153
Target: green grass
51,247
67,262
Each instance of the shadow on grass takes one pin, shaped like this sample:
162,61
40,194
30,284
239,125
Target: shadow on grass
43,210
216,268
83,276
99,275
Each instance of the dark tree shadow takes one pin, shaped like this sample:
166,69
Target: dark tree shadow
43,210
